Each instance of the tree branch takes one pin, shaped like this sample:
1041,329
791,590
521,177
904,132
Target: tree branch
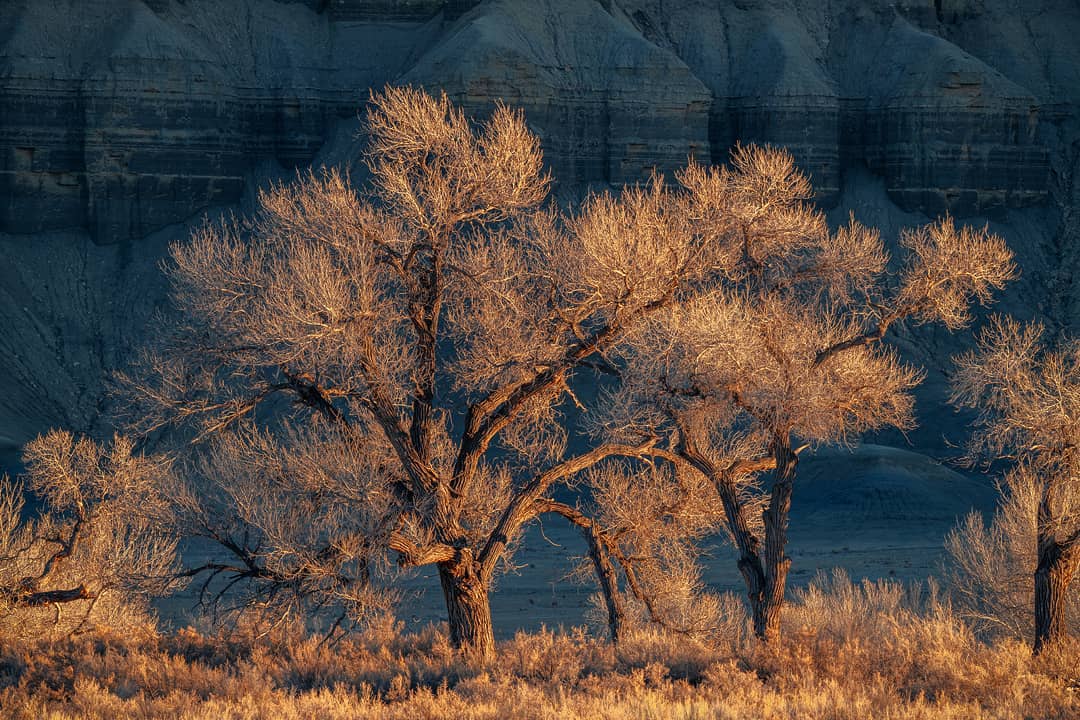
52,597
599,553
486,418
522,507
606,546
419,471
867,338
412,555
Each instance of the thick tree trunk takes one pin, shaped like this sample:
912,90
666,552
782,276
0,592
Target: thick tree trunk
468,609
1055,571
767,616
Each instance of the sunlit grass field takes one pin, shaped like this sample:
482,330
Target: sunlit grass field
878,650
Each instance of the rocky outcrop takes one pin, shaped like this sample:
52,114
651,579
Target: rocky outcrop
862,84
610,106
122,119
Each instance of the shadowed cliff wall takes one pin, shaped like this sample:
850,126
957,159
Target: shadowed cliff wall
122,122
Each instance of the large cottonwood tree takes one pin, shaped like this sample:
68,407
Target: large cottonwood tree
384,376
785,350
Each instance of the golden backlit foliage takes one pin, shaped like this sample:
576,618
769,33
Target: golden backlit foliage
1018,573
853,651
784,351
434,326
992,566
86,559
385,377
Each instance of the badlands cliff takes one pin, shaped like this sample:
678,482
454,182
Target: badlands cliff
122,122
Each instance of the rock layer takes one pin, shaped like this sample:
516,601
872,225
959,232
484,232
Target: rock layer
122,118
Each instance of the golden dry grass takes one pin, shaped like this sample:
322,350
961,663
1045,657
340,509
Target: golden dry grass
849,651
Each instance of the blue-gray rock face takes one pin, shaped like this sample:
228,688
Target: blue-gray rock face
123,119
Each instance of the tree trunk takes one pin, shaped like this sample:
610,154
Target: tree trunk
468,609
754,576
767,616
609,582
1055,571
748,544
599,552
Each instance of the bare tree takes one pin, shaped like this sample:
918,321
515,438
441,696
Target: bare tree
387,375
85,558
785,350
1028,397
992,567
652,524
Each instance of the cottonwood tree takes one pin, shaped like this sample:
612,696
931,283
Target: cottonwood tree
992,567
651,525
386,376
1028,397
85,558
785,350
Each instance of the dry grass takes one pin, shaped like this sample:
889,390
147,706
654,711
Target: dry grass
849,651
